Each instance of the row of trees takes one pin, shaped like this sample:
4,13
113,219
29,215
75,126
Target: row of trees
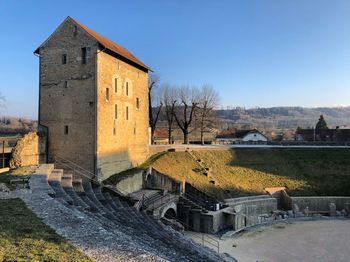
180,105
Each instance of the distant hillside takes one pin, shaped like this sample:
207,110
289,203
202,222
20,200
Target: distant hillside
285,117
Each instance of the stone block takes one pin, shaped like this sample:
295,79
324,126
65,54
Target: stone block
332,209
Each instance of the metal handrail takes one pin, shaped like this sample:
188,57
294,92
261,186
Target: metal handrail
203,237
167,197
82,171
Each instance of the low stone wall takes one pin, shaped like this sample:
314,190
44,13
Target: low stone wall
131,183
319,204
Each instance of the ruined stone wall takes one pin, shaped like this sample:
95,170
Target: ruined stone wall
121,143
67,95
26,151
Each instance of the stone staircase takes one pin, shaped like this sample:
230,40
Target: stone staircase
116,217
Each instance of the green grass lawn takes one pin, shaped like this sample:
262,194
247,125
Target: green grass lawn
24,237
247,171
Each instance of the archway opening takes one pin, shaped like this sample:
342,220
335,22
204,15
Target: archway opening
170,213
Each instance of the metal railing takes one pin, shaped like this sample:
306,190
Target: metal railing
204,239
159,202
76,169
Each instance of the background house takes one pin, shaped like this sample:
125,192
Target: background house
234,135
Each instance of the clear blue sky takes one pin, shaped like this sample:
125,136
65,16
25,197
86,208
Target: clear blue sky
256,53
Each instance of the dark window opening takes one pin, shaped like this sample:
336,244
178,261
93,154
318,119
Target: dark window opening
115,111
64,59
127,88
114,131
115,85
75,30
127,113
66,130
107,94
65,84
137,103
83,55
134,130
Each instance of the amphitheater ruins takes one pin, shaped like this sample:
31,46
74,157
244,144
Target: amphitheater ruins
93,122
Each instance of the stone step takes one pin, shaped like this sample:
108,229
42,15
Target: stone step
55,182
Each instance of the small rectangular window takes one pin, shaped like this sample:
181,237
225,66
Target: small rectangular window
66,130
107,94
127,113
137,103
116,85
114,131
127,88
115,111
75,30
65,84
64,59
83,55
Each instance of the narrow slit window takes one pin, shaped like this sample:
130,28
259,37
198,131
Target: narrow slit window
137,103
83,55
107,94
127,113
114,131
115,111
66,130
65,84
64,59
127,88
116,85
75,30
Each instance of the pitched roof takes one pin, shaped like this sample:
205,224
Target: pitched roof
235,133
108,44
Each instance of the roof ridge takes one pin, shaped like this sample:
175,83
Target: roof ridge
109,44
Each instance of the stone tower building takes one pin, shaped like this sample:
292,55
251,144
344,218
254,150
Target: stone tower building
93,100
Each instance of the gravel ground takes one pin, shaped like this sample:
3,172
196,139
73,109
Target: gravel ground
321,240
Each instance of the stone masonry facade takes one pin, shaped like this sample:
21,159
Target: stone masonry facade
93,100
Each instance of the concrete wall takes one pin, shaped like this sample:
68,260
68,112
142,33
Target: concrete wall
131,183
159,180
319,204
121,143
72,105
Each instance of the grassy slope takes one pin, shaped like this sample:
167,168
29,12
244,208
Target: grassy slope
23,237
247,171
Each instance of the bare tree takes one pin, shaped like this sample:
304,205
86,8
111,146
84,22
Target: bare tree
208,100
188,102
169,97
154,103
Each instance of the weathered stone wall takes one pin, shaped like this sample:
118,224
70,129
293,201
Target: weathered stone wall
121,143
67,95
319,204
26,151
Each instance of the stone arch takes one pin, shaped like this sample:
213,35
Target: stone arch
171,208
170,213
